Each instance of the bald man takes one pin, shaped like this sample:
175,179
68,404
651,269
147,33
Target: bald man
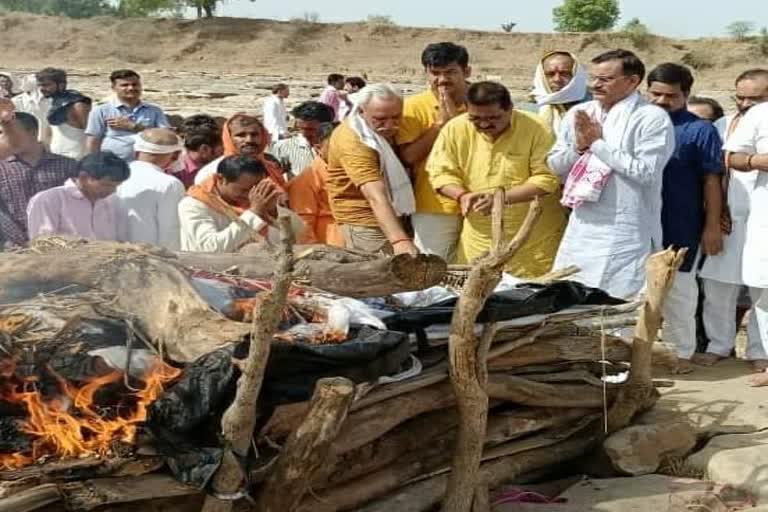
151,196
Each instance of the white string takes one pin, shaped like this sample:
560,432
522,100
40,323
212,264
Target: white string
603,363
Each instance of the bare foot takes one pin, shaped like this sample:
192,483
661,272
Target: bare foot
759,365
758,380
684,367
707,359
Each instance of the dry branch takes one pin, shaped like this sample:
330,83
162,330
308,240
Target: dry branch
467,382
239,420
639,393
538,394
305,452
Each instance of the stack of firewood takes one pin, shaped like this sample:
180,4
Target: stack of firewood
508,404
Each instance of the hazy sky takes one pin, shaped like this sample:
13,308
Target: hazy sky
678,18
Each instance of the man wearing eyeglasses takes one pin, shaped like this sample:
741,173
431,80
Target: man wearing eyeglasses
611,154
722,276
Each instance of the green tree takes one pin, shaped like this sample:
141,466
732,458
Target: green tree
637,32
740,29
586,15
70,8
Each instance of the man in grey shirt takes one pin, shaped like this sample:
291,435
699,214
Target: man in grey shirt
113,125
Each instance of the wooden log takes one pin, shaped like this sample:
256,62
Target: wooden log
239,420
571,348
639,393
408,439
147,289
366,425
425,495
467,382
93,494
286,418
538,394
90,494
14,481
306,450
370,480
31,499
350,277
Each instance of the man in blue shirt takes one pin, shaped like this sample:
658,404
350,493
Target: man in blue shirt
691,202
113,125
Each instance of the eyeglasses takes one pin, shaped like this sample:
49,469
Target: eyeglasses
604,79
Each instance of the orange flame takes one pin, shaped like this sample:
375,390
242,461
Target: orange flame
71,426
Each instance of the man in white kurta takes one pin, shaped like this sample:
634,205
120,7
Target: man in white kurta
610,238
747,150
274,114
150,197
721,275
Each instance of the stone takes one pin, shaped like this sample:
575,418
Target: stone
736,460
640,449
651,493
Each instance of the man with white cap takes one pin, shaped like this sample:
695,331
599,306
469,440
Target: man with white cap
151,196
560,83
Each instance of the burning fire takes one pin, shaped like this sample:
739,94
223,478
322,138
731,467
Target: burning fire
73,425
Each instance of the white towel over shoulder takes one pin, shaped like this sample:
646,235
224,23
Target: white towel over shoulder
395,176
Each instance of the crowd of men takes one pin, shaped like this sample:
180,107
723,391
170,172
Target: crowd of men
623,163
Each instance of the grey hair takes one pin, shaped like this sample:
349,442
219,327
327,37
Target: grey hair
380,91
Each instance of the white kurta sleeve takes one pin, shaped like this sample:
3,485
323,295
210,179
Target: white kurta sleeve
563,155
168,226
653,147
199,232
751,133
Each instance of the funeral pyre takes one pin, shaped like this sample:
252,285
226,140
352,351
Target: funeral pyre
118,363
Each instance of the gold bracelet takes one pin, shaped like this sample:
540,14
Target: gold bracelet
749,162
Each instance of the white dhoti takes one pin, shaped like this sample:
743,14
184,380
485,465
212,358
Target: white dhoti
679,312
437,233
719,314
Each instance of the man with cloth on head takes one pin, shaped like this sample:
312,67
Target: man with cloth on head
243,134
150,196
560,83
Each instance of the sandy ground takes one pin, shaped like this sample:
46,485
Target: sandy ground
224,65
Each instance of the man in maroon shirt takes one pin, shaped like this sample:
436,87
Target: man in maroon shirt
202,144
28,170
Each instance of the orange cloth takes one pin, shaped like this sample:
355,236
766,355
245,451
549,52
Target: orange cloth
308,197
208,193
274,170
351,164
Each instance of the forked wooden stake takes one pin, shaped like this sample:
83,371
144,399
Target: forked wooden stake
239,420
466,376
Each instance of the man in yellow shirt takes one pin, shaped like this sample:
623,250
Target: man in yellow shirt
369,190
436,222
494,146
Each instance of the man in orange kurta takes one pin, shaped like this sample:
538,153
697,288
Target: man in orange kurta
308,197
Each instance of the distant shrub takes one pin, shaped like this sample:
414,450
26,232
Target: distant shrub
638,33
380,19
740,29
508,27
762,41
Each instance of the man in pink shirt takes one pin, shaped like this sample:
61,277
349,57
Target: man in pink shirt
333,95
202,145
85,206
